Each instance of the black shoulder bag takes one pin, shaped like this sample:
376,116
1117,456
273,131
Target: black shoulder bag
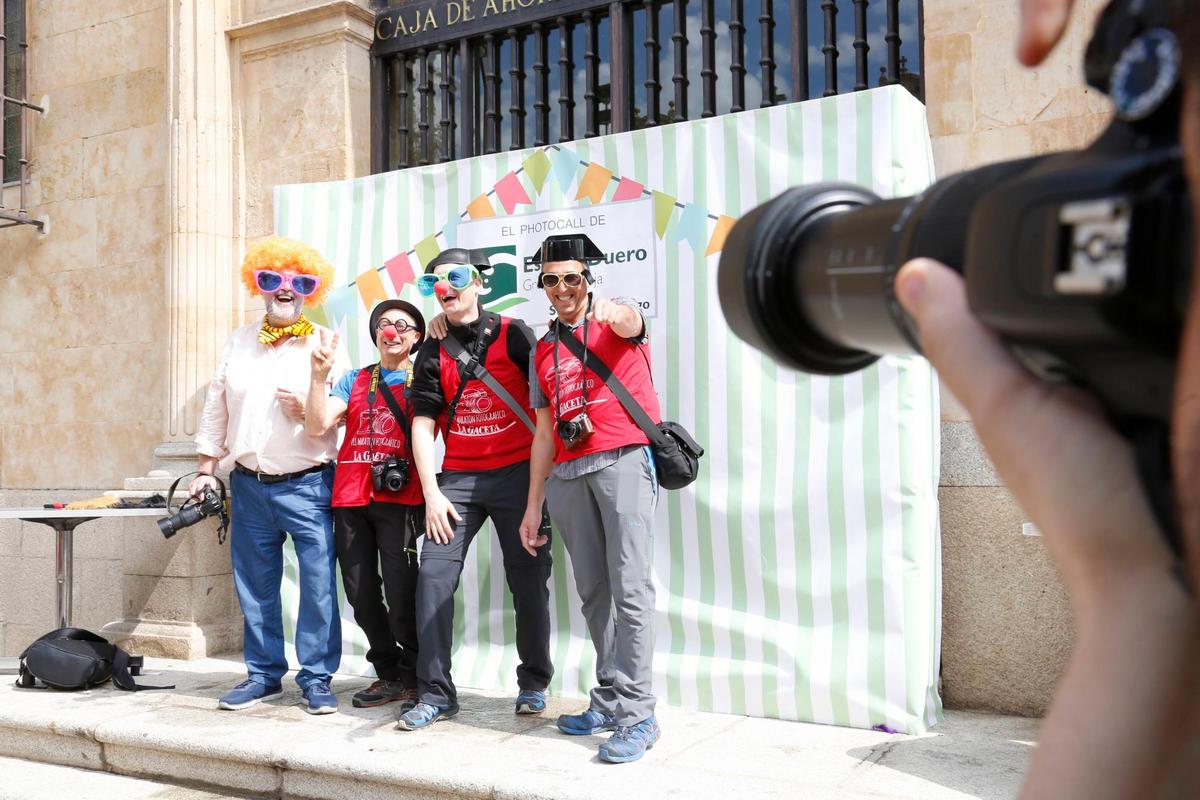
676,453
73,658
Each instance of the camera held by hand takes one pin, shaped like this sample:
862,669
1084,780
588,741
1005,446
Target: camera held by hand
208,504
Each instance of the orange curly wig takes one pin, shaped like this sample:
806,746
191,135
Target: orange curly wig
281,254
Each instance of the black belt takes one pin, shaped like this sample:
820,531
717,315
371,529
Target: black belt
263,477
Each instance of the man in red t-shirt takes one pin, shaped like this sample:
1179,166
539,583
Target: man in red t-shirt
593,465
485,474
377,502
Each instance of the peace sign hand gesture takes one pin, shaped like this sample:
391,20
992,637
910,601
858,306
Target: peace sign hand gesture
323,354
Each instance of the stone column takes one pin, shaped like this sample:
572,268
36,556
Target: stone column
261,93
178,594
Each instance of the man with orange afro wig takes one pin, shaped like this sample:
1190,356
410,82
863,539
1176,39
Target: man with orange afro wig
282,478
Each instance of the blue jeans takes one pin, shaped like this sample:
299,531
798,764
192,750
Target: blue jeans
263,516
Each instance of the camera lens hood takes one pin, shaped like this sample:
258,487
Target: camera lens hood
755,279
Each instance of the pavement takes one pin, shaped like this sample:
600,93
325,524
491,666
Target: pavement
177,743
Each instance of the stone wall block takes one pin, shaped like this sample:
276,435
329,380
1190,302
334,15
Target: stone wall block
112,399
99,107
71,244
53,17
101,50
57,171
158,597
126,160
8,394
117,313
948,87
32,594
214,599
1006,626
133,228
148,553
48,454
97,593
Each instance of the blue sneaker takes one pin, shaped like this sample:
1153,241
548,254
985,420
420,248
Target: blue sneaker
422,715
320,699
630,742
531,701
585,724
246,694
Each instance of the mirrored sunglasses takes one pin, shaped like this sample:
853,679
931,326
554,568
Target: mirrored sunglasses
268,280
459,278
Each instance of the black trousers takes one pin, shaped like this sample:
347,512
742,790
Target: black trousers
370,542
499,494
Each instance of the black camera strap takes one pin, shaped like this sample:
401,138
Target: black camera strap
376,383
561,330
470,367
632,406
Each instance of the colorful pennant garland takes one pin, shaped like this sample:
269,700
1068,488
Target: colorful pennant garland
511,191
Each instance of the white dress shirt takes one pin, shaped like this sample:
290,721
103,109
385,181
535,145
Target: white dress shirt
243,422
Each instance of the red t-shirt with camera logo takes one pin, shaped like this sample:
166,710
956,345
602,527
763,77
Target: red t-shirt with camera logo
352,479
486,433
629,362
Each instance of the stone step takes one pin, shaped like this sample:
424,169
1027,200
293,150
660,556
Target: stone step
277,750
29,780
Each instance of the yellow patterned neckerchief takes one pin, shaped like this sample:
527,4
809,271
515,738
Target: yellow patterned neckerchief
269,334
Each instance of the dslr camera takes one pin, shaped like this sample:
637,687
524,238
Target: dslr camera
1080,261
390,475
575,431
209,504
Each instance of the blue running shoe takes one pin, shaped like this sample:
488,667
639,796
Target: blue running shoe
630,742
531,701
585,724
320,699
246,694
422,715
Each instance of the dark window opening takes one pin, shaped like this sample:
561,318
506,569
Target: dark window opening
599,68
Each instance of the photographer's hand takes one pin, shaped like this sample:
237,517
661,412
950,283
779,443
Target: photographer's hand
438,513
1043,23
207,467
292,403
1130,673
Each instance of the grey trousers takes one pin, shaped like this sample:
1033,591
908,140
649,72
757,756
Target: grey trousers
606,519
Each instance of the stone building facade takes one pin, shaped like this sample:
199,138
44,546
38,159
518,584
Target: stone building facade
169,122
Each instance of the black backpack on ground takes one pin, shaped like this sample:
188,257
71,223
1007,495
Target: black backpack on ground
73,658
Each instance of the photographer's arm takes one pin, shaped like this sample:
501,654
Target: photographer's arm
541,462
1120,710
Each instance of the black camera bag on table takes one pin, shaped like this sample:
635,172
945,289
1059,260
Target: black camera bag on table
676,453
73,658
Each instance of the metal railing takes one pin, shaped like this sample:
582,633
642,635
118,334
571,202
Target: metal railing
14,81
439,94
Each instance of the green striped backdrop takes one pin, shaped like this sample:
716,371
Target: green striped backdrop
799,577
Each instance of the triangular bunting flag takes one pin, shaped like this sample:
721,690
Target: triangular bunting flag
566,165
594,183
370,288
693,225
511,192
627,190
664,206
537,167
427,249
724,223
450,230
481,207
342,310
400,269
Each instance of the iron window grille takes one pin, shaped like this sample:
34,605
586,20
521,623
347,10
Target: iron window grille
536,72
14,131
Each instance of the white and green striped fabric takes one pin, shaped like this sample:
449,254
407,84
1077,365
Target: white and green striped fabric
799,577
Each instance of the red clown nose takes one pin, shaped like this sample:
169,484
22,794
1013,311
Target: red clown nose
441,289
389,334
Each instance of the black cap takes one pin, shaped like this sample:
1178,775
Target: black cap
460,257
387,305
567,247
